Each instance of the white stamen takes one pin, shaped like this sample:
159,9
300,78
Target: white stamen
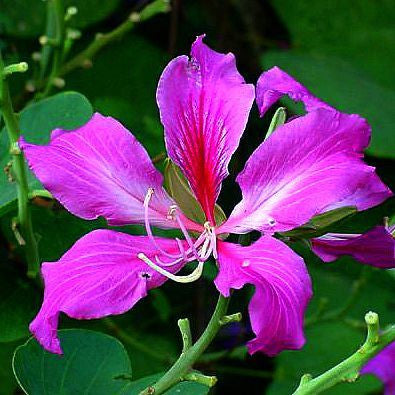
195,275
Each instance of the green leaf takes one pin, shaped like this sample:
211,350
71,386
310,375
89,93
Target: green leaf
93,363
361,34
19,301
8,384
278,119
27,18
161,304
346,88
183,388
318,225
178,188
67,110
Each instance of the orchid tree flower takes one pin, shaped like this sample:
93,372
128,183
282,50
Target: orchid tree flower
383,366
309,165
376,247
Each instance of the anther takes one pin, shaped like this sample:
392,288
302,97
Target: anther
171,212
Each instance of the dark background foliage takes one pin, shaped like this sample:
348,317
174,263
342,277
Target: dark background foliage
342,51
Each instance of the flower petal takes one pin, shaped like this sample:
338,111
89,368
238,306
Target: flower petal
383,366
100,169
100,275
375,247
282,291
309,165
204,105
275,83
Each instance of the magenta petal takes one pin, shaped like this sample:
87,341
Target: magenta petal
383,366
375,247
204,105
307,166
275,83
100,275
282,291
100,169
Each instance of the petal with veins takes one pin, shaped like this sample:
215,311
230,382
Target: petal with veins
100,275
282,291
101,169
275,83
309,165
375,247
204,105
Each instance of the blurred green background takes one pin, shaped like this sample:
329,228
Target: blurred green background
342,51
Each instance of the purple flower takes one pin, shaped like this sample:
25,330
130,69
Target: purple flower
383,366
375,247
307,166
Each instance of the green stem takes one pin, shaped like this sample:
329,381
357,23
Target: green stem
348,370
84,58
55,18
19,169
186,360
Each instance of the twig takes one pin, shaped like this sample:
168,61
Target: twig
348,370
182,367
84,58
24,221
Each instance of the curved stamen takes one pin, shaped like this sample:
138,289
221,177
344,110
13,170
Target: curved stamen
214,244
188,238
195,275
186,257
206,243
147,199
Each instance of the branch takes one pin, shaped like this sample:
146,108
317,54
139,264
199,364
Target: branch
24,221
84,58
181,370
348,370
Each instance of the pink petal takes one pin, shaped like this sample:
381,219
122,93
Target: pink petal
204,105
275,83
282,291
307,166
375,247
101,169
100,275
383,366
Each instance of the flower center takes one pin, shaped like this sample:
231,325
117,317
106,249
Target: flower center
199,249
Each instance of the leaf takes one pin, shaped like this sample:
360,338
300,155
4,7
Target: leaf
19,301
178,188
161,304
8,384
278,119
183,388
361,34
346,88
318,225
67,110
27,19
93,363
